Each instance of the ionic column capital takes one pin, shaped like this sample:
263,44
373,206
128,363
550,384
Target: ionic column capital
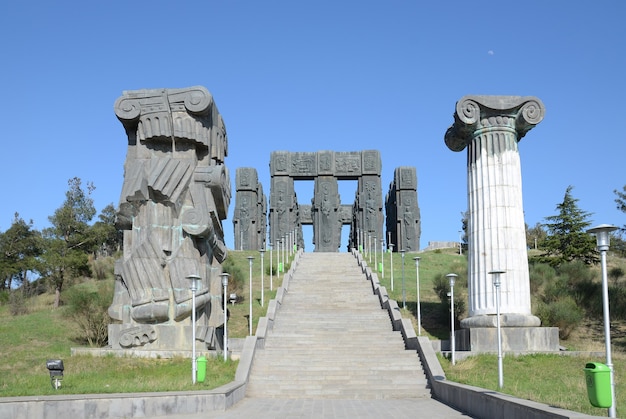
476,114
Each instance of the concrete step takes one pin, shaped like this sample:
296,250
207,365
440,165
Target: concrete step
331,339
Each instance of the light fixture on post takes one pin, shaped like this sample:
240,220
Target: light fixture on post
375,253
278,259
262,251
603,240
283,245
391,262
452,279
402,252
225,285
496,283
417,282
194,287
250,259
382,257
271,269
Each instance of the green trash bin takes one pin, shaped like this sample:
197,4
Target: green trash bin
201,369
598,379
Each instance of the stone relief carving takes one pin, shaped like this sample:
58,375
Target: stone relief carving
175,193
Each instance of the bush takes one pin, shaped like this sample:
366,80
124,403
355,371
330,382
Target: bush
616,273
441,286
563,313
87,306
540,274
102,267
617,302
4,297
17,302
236,280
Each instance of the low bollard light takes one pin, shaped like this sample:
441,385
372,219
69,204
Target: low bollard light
55,367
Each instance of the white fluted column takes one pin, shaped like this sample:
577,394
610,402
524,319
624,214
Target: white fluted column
491,127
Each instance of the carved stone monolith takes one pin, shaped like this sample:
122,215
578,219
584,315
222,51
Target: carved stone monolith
176,191
491,127
326,213
250,215
403,213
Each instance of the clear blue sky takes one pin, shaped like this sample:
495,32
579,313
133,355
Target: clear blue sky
323,75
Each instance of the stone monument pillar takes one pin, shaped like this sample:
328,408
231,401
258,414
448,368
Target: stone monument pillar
403,213
491,127
176,191
249,218
326,215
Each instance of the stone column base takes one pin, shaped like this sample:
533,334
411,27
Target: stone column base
519,339
506,320
169,337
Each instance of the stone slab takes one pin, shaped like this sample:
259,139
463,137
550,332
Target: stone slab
484,339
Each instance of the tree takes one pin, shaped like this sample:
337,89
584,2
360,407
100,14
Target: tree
20,246
621,202
567,239
108,238
535,236
70,238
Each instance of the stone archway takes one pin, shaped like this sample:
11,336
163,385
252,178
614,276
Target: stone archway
326,213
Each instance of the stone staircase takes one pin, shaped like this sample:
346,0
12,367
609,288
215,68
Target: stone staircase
331,339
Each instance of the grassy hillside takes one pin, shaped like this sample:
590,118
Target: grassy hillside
44,333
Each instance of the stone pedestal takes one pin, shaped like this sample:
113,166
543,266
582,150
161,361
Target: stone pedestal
162,337
514,339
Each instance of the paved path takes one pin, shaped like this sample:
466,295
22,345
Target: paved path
332,408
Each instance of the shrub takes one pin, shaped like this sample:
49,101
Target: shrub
616,273
102,267
540,274
563,313
17,302
4,297
87,306
617,302
441,286
236,280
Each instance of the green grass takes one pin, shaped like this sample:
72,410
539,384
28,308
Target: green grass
431,264
557,380
45,333
238,326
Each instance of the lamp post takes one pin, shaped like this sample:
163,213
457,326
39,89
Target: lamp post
417,282
278,259
496,284
250,259
391,256
603,240
225,285
262,251
283,245
369,247
375,254
271,269
460,243
452,278
402,252
194,287
382,257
